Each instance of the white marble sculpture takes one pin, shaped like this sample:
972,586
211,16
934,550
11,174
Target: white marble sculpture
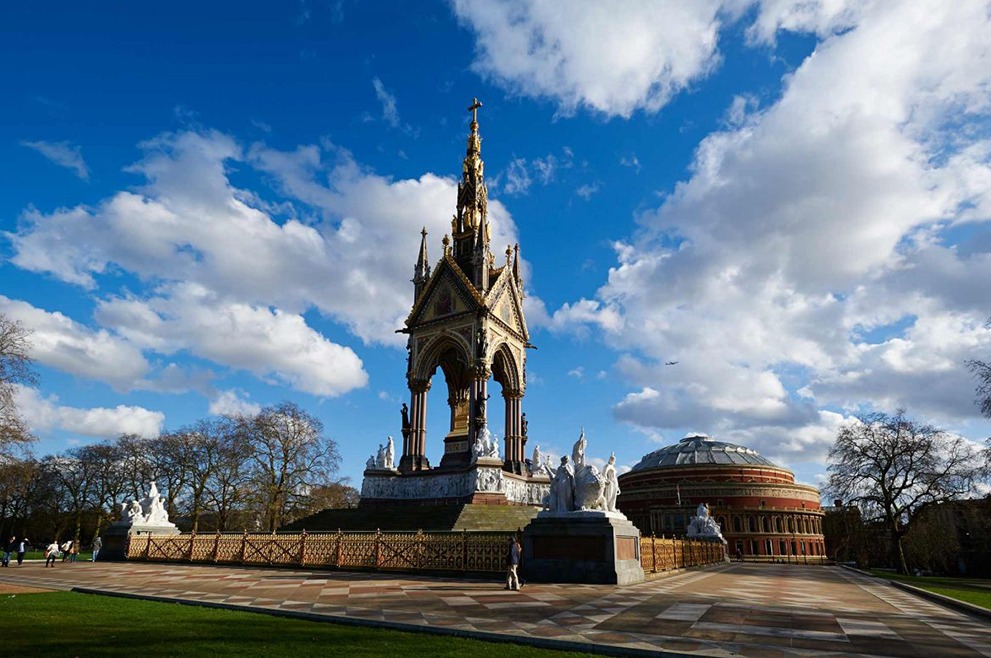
536,460
149,511
612,482
577,486
703,525
486,445
390,454
562,494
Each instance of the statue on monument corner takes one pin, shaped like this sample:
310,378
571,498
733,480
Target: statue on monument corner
536,460
406,427
561,497
524,426
612,483
380,457
390,454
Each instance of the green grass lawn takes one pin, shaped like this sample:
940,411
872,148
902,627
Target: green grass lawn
970,590
73,624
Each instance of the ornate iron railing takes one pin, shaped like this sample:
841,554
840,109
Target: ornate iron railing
381,551
663,554
477,552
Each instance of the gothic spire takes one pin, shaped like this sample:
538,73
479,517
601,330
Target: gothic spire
421,273
470,226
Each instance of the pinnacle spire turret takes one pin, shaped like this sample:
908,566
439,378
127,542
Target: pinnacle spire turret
421,272
470,225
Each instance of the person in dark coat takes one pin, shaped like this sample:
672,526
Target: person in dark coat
8,548
513,555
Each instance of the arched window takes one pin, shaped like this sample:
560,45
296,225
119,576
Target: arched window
751,524
737,524
777,524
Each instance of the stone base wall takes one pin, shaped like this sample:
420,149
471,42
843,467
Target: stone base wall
485,482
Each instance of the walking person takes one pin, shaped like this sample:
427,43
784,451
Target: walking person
513,555
8,548
22,548
66,547
97,545
73,552
51,553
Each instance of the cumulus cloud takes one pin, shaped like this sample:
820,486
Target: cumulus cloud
64,344
45,414
228,277
260,340
231,403
64,154
810,249
612,58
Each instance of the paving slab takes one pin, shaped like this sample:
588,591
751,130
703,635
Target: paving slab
735,609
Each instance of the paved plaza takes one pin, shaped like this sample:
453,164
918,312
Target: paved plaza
728,610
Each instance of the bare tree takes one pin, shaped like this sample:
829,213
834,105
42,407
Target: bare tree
15,368
890,466
107,463
982,372
227,486
290,456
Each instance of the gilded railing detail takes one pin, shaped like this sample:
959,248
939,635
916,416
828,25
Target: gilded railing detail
662,554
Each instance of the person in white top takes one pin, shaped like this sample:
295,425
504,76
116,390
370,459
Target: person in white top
51,553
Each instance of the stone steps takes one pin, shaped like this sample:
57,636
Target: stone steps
428,518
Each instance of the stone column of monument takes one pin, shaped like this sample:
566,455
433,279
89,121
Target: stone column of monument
514,458
414,448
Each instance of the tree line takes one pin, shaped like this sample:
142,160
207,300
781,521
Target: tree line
254,472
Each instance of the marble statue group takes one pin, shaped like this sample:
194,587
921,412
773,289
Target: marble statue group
149,511
385,457
703,525
486,445
577,485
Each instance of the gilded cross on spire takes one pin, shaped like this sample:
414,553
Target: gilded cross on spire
473,108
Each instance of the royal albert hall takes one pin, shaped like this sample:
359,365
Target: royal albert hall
762,512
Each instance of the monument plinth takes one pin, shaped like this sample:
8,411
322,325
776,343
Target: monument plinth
581,537
582,547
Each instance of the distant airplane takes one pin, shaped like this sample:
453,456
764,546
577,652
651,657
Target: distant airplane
670,363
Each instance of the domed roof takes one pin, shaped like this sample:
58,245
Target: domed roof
701,449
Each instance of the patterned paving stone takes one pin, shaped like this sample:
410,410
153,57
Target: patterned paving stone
731,610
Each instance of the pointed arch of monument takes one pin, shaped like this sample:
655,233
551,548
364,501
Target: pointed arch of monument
509,373
444,351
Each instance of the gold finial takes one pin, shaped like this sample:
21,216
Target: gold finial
473,108
509,253
446,242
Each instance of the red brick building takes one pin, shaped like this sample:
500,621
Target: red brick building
763,513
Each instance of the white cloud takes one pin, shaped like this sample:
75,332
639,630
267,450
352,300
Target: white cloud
820,17
62,343
63,154
812,232
263,341
388,101
230,403
216,263
587,190
613,58
44,414
517,177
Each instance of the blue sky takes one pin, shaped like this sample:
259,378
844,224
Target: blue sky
213,207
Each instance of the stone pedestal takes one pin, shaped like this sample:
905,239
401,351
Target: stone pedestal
115,538
582,547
